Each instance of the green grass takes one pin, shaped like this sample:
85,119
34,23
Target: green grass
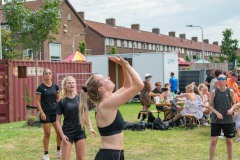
18,142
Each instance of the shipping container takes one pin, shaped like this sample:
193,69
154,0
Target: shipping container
13,83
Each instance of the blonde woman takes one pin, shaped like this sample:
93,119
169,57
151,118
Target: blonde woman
71,131
47,95
99,90
191,105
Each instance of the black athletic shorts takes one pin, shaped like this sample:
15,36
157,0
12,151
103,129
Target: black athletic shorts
49,118
76,138
228,130
110,154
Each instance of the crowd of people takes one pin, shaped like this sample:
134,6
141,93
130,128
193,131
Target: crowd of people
213,103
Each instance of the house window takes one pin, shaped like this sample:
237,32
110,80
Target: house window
150,47
111,42
125,44
182,50
157,47
144,46
59,14
161,48
119,43
153,47
134,44
69,17
28,53
139,45
55,51
130,44
107,42
6,27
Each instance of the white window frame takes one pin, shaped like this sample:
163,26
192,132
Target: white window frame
125,44
157,48
28,53
111,42
134,44
130,44
107,42
165,48
161,48
69,17
119,43
139,45
153,47
144,45
149,47
51,49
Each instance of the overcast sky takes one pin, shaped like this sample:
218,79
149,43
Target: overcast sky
213,16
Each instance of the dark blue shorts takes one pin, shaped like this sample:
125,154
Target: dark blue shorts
228,130
49,118
110,154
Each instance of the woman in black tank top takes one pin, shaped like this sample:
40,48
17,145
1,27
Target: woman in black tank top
99,90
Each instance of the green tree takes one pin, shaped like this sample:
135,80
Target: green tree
187,58
211,58
8,47
229,46
221,59
83,47
113,51
30,27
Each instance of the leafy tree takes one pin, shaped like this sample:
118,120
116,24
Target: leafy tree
30,27
8,47
229,46
83,47
113,51
187,58
221,58
211,58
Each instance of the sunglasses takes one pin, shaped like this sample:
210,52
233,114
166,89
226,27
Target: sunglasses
222,78
47,73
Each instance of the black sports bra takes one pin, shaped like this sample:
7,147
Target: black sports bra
114,128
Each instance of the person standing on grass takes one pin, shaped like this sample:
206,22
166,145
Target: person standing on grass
71,131
173,83
145,98
221,104
47,95
99,90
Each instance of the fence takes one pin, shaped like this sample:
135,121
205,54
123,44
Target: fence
208,66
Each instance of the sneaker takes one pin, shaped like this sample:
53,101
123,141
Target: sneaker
59,154
45,157
206,124
237,140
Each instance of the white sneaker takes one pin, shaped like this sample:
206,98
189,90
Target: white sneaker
45,157
206,124
59,154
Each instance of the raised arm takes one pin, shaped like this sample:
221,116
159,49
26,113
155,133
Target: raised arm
132,85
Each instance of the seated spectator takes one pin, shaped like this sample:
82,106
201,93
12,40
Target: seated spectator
191,106
157,91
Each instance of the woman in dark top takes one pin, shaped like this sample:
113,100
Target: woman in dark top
99,90
47,95
71,131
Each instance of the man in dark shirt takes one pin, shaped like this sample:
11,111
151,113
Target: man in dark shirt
209,78
157,91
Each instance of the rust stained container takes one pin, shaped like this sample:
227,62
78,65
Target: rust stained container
12,88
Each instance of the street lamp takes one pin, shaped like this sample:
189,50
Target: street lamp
1,37
202,39
80,34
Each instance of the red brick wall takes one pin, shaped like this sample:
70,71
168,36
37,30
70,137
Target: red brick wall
74,27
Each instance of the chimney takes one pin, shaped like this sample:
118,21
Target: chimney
172,34
183,36
194,39
206,41
215,43
111,22
81,15
156,30
135,26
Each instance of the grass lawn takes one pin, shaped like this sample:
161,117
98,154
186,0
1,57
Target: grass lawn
25,143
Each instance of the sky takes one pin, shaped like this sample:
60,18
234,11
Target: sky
214,16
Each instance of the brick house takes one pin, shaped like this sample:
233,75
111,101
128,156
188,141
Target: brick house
134,40
71,30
